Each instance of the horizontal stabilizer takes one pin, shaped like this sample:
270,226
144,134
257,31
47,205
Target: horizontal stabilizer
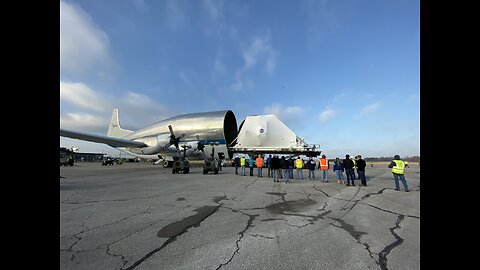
114,142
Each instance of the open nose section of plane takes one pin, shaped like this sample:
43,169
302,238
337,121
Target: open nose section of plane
230,130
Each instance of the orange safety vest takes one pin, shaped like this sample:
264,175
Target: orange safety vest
324,164
259,162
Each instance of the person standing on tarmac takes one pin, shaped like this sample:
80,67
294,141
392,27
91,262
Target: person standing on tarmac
284,169
398,170
338,170
299,167
311,164
324,165
361,164
237,164
275,165
348,165
242,165
354,166
251,161
269,170
259,163
291,164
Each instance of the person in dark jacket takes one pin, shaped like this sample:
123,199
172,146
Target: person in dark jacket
338,170
237,164
275,165
290,167
348,165
361,164
284,163
267,161
311,164
284,171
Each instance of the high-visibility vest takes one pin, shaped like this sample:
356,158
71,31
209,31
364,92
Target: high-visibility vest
242,161
354,163
324,164
259,162
399,167
298,163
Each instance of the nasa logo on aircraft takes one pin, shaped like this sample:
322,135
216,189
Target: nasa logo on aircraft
261,130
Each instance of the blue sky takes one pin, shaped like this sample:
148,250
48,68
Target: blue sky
344,74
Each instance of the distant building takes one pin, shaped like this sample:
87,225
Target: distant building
90,157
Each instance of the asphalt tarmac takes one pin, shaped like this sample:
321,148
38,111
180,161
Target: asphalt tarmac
140,216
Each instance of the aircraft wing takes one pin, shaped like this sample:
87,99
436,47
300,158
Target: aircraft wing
115,142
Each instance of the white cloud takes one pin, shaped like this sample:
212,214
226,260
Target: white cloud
292,116
136,110
260,50
83,45
326,115
80,95
84,122
370,108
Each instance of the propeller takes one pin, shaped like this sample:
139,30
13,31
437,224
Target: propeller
173,139
200,145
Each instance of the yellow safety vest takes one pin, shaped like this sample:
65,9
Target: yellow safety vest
399,167
298,163
354,163
242,161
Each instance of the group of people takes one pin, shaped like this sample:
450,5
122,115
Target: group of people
282,168
349,165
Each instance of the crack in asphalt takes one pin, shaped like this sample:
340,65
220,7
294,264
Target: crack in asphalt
319,189
124,260
86,229
354,233
77,236
263,236
365,197
391,212
253,182
173,230
382,256
251,218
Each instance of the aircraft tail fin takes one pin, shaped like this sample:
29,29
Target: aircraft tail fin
114,129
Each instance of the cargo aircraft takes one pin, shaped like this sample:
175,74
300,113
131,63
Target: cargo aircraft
162,140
